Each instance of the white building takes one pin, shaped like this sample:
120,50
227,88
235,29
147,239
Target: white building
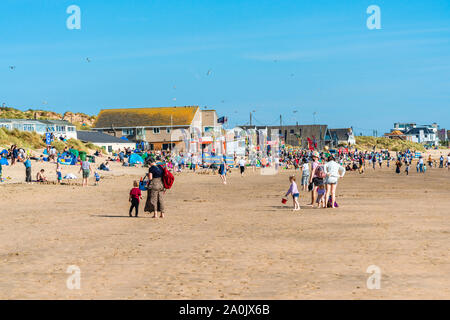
107,142
422,135
57,127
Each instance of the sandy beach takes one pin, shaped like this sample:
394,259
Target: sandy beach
234,241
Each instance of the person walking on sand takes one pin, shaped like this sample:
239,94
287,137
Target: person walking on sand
58,173
156,190
242,166
333,172
135,196
223,171
293,190
315,178
27,165
306,171
86,169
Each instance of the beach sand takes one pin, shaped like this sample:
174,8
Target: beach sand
234,241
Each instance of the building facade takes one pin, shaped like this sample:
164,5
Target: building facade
165,128
59,128
299,135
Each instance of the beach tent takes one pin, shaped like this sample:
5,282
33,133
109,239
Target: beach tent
135,158
67,159
74,152
4,153
82,156
4,161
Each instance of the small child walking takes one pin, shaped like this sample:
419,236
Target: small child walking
97,178
321,196
58,172
293,189
135,196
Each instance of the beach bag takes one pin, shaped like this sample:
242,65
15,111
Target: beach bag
320,172
329,203
283,201
167,178
143,184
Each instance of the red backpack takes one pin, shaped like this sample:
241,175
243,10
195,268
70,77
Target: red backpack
167,178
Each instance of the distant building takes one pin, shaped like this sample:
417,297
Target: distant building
343,136
425,134
403,127
57,127
162,128
298,135
396,134
422,135
105,141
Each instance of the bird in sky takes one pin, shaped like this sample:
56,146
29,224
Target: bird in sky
209,72
88,60
12,67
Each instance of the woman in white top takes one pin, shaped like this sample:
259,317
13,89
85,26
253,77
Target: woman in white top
333,172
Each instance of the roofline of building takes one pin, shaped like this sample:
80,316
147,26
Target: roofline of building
169,126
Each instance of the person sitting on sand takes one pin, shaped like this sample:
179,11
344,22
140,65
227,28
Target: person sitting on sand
40,177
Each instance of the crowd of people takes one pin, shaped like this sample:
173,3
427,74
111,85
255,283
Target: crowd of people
319,171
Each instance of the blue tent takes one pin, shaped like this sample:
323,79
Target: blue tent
4,162
67,158
135,158
4,153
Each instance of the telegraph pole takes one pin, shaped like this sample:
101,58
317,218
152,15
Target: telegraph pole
250,118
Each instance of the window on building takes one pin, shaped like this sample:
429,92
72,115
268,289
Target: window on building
168,130
28,127
127,132
291,131
156,130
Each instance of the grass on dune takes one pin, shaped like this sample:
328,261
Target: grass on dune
32,140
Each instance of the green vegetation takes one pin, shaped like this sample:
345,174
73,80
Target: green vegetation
32,140
364,143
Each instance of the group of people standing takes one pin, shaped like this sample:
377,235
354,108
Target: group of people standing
320,175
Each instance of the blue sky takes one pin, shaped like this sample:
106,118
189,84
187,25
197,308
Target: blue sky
274,57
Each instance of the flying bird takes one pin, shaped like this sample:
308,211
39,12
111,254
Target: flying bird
209,72
12,67
88,60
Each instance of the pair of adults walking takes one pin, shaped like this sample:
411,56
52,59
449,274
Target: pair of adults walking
155,190
327,174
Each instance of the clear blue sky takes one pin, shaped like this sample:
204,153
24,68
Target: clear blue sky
273,57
